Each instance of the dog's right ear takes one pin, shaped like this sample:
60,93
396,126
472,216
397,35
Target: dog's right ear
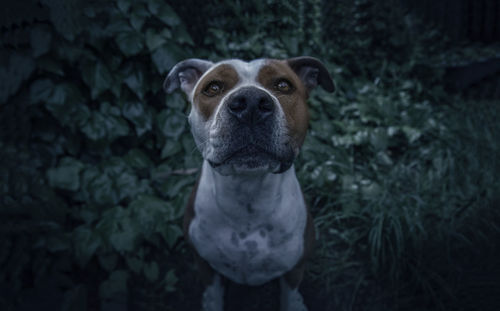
185,75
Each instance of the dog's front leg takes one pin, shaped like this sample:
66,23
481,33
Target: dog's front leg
213,296
290,298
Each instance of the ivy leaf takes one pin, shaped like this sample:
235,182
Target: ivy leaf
116,127
148,207
182,36
154,6
134,263
98,78
171,124
176,101
66,175
142,119
170,281
130,43
66,104
138,16
101,190
19,68
124,5
86,243
127,185
164,58
123,232
171,147
135,81
155,40
40,90
171,233
138,159
94,129
167,15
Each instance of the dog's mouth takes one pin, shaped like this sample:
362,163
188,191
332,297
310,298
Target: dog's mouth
250,159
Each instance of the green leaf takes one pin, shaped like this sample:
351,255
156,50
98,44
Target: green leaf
171,234
182,36
66,175
116,127
124,5
19,68
95,128
67,104
161,172
123,236
135,81
171,124
138,159
126,185
154,6
411,133
148,208
86,243
176,101
101,189
171,147
97,77
130,43
142,119
118,25
170,280
115,284
138,16
167,15
135,264
40,90
164,58
151,271
155,40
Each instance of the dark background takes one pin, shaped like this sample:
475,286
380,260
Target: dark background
400,167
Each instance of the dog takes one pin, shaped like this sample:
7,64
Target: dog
246,219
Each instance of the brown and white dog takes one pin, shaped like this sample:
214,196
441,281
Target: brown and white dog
247,220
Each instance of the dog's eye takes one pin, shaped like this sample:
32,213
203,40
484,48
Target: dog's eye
284,86
213,88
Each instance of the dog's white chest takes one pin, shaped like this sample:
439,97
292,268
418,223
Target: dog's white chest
250,240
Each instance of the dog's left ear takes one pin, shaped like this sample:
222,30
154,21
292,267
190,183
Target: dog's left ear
312,72
185,75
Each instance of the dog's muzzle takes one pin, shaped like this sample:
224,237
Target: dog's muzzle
250,106
250,135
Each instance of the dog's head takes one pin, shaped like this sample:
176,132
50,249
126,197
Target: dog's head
249,117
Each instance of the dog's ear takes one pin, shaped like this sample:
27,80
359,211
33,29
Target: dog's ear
312,72
185,75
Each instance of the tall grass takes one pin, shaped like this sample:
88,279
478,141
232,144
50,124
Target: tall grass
414,235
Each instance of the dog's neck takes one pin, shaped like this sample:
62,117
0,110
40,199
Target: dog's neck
244,196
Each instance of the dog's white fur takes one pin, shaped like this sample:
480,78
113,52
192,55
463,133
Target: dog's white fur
249,252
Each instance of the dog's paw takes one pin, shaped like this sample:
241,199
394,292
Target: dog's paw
292,301
213,297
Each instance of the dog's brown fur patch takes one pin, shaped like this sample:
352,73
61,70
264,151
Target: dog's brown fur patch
225,74
294,103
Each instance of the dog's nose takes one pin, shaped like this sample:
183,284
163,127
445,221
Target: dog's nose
250,105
